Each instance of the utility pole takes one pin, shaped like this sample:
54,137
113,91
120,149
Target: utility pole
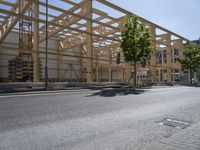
46,51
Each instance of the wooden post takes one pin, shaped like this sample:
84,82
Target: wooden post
169,63
35,54
81,63
109,67
123,74
89,45
159,75
153,55
97,66
58,61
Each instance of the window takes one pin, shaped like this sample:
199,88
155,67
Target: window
164,56
159,57
171,55
176,55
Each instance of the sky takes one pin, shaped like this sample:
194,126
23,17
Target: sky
179,16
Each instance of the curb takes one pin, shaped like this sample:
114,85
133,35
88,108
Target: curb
34,93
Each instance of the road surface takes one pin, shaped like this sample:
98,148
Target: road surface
94,120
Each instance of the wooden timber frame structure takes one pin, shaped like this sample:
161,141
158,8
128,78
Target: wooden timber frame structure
90,26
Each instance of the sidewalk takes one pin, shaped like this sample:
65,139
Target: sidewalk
187,139
39,93
37,87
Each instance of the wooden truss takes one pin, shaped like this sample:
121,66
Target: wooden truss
87,24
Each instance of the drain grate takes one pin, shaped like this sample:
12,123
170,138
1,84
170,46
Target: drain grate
175,123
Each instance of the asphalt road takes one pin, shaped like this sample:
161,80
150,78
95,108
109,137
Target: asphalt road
94,120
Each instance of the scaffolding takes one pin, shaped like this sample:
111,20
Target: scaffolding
21,67
87,37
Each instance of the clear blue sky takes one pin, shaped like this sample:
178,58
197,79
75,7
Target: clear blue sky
179,16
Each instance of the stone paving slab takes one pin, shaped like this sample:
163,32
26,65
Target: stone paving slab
187,139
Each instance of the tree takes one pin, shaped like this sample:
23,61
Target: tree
191,59
136,42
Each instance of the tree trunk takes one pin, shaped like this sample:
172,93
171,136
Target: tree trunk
190,75
135,74
190,70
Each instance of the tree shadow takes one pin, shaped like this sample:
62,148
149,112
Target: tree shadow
118,92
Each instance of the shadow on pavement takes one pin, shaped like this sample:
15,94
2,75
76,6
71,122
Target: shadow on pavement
117,92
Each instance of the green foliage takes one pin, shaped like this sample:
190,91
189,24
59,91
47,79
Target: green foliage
136,40
191,57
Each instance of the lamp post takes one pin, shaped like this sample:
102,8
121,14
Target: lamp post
46,50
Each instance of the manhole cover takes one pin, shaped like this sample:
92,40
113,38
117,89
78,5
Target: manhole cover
175,123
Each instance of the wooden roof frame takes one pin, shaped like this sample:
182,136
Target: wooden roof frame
69,20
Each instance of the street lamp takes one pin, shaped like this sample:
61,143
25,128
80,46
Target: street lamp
46,50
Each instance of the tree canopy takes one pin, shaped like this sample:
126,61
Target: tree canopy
136,41
191,58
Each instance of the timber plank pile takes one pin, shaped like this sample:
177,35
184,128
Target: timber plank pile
20,69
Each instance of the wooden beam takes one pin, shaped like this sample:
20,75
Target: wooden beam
111,5
4,17
71,46
7,3
103,14
77,17
36,63
89,45
81,64
57,25
109,67
67,23
169,63
14,21
58,61
64,12
69,2
97,66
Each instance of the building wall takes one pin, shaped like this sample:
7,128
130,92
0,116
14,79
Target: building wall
9,49
71,65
